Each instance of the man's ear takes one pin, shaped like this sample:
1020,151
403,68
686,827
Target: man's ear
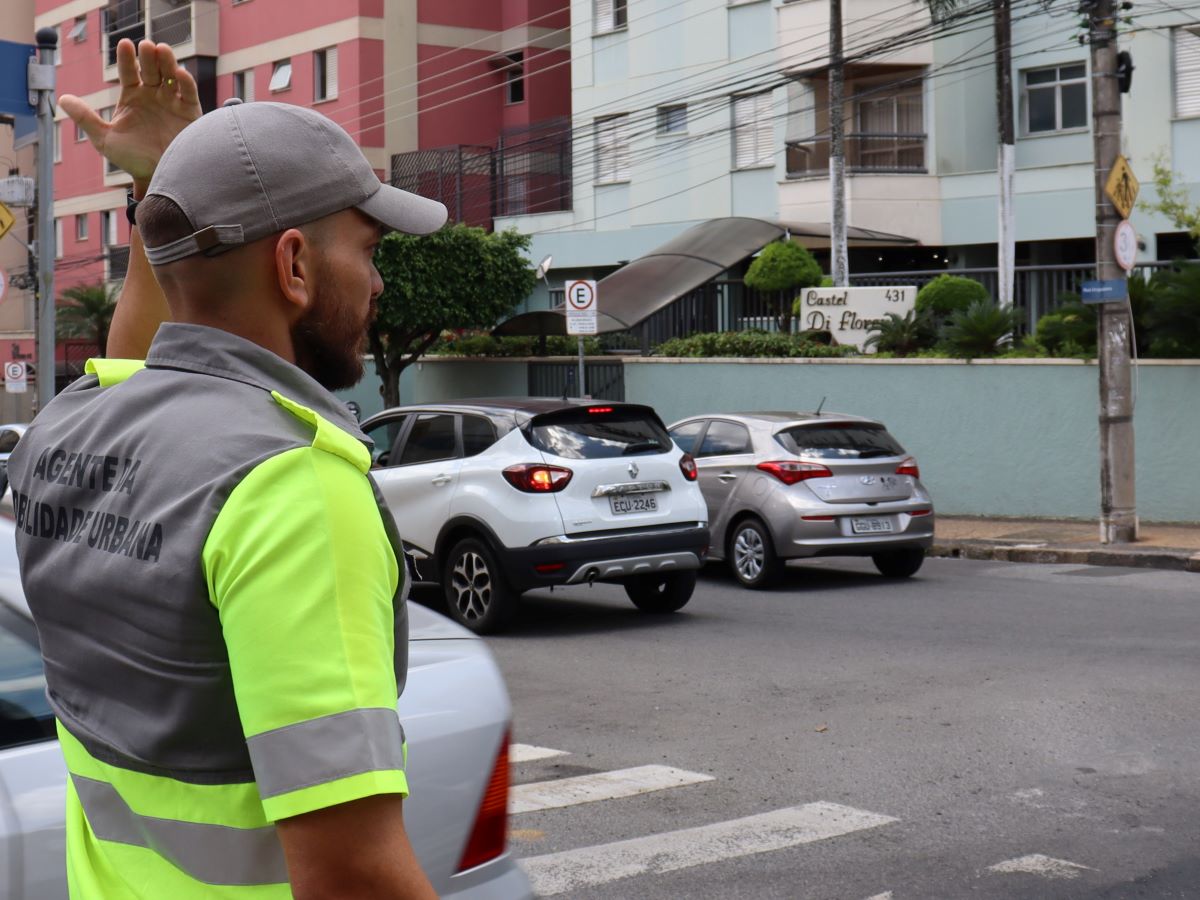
295,269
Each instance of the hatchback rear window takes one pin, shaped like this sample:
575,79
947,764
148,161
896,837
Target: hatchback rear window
850,441
599,432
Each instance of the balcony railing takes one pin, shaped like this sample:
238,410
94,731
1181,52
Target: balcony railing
865,153
173,26
162,22
121,20
118,262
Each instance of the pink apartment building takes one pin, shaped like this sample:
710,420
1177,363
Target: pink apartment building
465,100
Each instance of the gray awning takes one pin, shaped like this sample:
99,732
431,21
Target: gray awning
696,256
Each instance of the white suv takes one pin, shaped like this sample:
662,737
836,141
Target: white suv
496,497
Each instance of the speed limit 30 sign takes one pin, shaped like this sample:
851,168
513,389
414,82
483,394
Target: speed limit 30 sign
581,307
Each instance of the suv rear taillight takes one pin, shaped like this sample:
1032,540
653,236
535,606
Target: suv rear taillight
537,478
791,472
687,466
909,467
491,822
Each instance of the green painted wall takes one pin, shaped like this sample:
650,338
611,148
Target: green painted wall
991,439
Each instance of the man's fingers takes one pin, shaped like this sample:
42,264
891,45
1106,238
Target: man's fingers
148,60
188,91
127,67
85,117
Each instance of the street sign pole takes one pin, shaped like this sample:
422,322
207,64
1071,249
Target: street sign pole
41,82
581,304
582,369
1116,190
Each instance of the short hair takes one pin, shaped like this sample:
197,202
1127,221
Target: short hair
161,221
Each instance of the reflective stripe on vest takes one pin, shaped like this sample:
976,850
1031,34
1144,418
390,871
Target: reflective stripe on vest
213,854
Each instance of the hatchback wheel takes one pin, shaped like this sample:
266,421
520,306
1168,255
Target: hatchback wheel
477,596
752,555
661,593
899,563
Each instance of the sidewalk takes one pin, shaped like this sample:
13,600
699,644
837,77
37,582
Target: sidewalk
1073,542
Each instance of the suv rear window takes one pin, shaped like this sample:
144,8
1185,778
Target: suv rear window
599,432
853,440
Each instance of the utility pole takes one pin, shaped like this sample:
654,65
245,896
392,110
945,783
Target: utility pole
839,260
1118,510
41,95
1006,244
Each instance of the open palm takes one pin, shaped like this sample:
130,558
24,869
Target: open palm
158,100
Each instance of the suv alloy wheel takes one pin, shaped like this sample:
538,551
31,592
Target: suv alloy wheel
477,596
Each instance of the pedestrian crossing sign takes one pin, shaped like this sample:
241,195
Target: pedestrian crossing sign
1122,186
6,219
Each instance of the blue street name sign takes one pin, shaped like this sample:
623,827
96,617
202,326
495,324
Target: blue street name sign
1113,290
14,91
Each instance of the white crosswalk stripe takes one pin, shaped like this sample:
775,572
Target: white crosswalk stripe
523,753
572,870
591,788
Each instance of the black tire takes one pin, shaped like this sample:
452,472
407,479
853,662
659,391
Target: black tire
751,555
477,595
899,563
661,593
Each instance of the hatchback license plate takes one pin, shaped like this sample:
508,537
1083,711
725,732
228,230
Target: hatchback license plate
624,504
872,526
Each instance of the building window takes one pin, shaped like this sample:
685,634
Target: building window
325,74
1187,72
608,15
672,119
81,227
78,32
243,85
612,149
58,142
1055,99
58,239
108,228
514,79
281,75
80,135
753,131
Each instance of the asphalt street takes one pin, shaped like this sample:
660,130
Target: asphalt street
984,730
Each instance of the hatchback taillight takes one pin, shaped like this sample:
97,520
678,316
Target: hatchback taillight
791,472
687,466
491,822
909,467
537,478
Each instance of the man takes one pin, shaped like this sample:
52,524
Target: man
216,588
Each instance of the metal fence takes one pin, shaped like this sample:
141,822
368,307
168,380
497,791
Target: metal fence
865,154
460,177
604,380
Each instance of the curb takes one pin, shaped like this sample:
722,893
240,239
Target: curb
1170,560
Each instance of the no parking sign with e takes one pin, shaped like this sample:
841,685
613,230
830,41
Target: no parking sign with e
581,307
14,377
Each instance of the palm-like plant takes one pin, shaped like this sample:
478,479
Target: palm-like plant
982,329
901,335
87,313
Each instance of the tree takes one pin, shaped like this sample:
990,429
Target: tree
1173,200
459,277
87,313
781,268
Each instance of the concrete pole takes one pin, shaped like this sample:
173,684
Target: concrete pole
1006,163
839,259
42,81
1118,509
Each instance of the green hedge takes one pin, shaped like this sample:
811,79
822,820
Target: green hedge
751,344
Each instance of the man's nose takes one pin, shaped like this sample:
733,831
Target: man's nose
376,283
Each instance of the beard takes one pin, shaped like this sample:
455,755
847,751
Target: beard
329,341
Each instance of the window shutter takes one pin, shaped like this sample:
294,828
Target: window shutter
743,147
249,83
764,130
1187,73
602,16
331,73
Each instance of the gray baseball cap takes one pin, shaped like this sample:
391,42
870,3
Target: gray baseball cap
249,170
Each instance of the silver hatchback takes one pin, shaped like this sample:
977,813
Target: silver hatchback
787,485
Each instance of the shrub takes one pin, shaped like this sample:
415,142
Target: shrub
782,266
484,344
748,344
981,329
948,294
901,335
1173,316
1069,329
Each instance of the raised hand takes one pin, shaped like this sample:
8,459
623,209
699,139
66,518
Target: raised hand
158,100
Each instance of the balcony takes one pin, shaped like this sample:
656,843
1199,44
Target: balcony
189,26
874,154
